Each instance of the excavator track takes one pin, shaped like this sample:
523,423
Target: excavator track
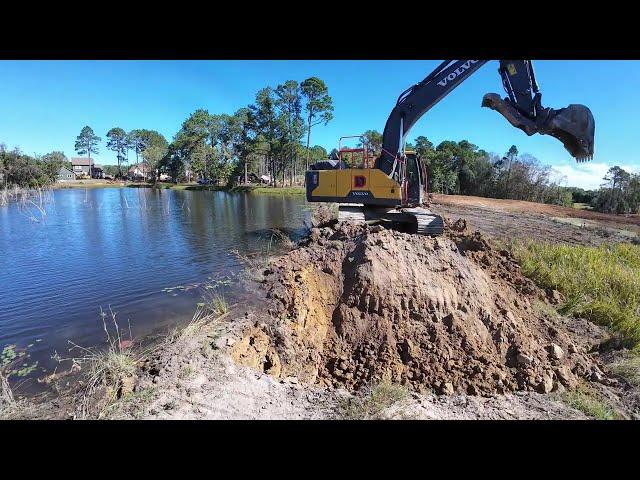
430,224
420,220
351,213
426,222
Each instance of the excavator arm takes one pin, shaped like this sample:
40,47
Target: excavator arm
574,125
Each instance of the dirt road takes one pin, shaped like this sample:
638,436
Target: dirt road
510,219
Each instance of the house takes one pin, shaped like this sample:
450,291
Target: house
139,172
65,175
82,166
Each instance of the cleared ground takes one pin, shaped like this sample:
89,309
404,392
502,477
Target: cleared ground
508,220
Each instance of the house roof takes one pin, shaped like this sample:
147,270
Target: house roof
82,161
64,170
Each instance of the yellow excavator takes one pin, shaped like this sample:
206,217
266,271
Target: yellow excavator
393,186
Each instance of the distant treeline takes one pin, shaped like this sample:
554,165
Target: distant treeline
462,168
620,193
17,168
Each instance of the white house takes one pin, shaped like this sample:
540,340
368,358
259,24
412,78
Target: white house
139,171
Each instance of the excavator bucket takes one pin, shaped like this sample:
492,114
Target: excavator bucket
574,125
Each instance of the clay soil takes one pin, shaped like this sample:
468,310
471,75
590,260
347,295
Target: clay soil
355,305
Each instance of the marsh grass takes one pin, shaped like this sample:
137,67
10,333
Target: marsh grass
219,305
281,238
14,363
6,392
601,284
31,202
254,263
370,404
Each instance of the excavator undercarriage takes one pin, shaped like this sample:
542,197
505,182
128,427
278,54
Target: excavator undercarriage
418,220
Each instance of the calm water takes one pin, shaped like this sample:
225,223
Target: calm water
64,257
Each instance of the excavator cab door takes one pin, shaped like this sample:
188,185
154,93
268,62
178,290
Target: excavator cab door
415,179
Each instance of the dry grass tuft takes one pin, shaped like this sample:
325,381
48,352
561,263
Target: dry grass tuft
590,403
110,372
375,399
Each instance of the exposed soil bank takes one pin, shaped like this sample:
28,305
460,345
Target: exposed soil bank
358,304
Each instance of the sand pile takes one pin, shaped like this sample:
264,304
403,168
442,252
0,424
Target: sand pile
355,304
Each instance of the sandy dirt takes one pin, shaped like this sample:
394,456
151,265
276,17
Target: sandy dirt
520,406
510,219
358,304
195,378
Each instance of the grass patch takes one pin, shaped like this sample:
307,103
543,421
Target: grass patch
282,239
209,188
601,283
186,372
133,403
80,185
219,305
371,404
590,404
629,369
582,206
279,190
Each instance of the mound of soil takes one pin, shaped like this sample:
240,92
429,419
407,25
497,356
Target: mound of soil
358,304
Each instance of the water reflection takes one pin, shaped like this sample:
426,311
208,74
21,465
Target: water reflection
122,247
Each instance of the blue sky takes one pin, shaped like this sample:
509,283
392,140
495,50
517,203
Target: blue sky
44,104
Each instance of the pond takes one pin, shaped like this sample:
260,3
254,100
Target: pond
149,255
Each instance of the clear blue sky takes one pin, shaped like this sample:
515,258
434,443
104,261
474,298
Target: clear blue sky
44,104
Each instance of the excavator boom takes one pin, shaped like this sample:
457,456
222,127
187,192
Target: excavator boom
574,125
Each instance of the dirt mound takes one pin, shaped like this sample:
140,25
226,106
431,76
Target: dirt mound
355,304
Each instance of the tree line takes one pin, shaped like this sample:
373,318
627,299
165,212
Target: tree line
462,168
270,137
18,168
620,193
267,137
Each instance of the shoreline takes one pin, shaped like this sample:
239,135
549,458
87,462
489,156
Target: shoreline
264,190
206,370
228,362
